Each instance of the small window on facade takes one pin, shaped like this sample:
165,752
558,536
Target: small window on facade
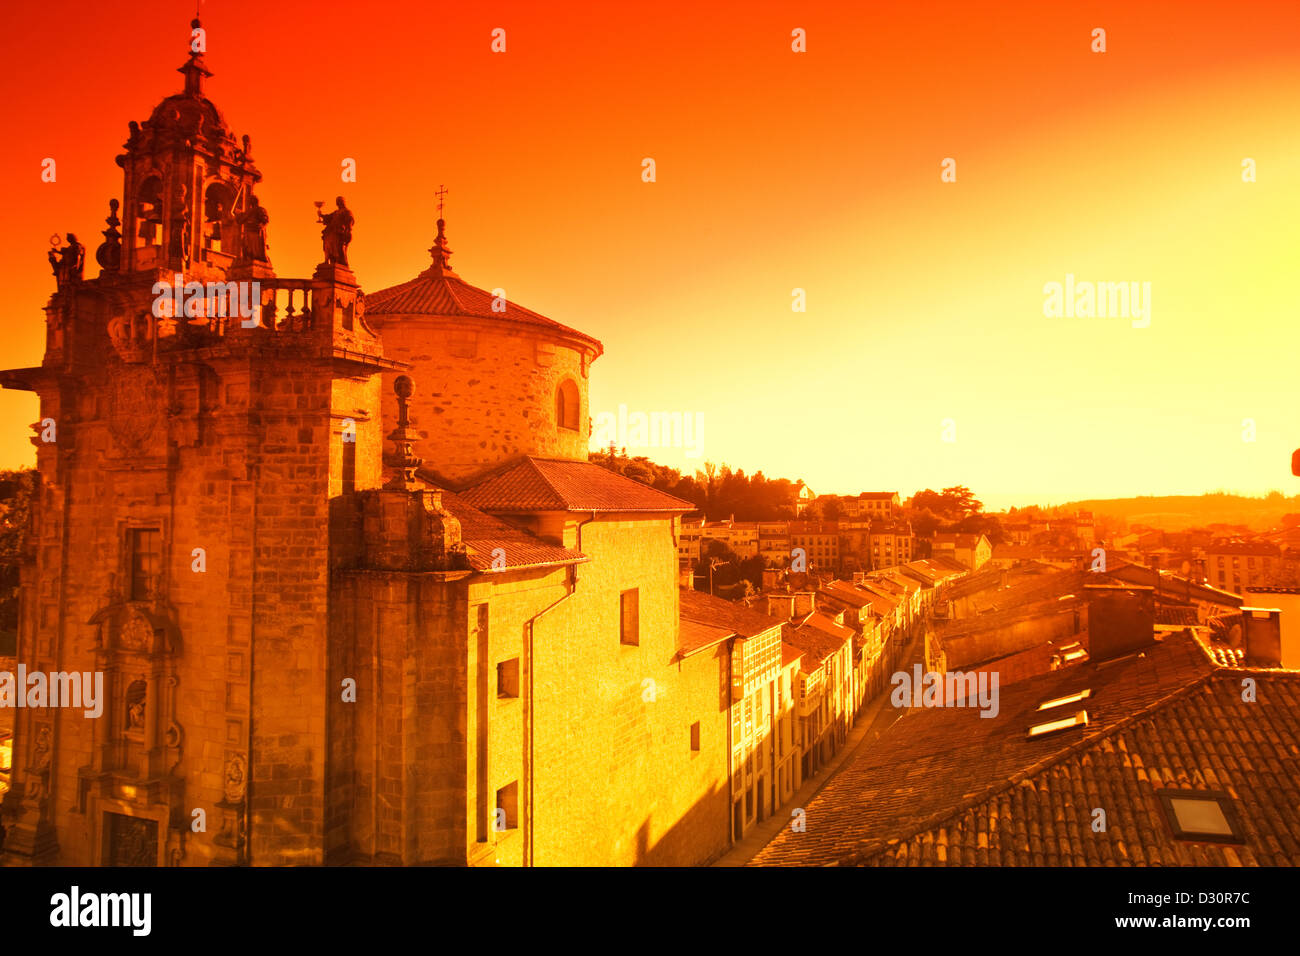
507,811
1206,815
145,558
630,622
508,678
695,735
566,405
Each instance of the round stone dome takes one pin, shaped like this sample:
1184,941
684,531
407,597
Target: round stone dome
492,379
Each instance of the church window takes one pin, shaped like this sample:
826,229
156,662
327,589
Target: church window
508,807
145,556
508,678
566,405
149,211
630,621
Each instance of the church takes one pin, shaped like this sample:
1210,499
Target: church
356,593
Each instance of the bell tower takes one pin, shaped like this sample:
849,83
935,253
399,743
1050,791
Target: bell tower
188,188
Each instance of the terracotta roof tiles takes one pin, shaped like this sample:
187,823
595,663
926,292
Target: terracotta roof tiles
434,292
552,484
935,765
703,608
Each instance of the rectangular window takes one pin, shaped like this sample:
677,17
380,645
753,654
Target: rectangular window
508,678
630,622
146,552
695,735
507,815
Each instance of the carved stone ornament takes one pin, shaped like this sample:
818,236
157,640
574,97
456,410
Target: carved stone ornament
137,402
234,778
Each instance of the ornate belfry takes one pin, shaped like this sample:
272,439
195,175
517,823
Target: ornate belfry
188,201
167,437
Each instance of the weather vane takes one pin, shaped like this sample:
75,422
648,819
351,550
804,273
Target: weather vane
442,191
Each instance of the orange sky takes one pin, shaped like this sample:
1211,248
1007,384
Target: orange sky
775,171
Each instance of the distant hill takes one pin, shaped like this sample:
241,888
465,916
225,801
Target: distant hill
1177,512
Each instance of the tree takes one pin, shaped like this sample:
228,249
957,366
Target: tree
16,489
833,510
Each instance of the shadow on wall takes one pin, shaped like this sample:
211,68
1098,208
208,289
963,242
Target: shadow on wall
707,822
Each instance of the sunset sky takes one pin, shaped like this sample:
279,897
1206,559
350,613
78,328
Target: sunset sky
775,170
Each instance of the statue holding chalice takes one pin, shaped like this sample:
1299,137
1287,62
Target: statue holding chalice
337,233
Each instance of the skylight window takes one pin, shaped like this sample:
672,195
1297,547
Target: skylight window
1062,701
1076,720
1205,815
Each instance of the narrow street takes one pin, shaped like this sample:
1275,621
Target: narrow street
876,717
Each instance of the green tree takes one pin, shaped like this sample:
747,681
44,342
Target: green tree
16,489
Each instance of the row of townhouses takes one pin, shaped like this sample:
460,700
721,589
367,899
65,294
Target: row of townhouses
806,657
846,545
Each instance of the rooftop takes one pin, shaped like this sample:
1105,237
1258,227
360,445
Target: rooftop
529,485
701,608
494,545
947,786
440,291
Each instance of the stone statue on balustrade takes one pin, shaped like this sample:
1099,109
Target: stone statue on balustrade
252,231
337,233
68,263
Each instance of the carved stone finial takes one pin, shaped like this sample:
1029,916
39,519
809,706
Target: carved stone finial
403,437
441,252
109,253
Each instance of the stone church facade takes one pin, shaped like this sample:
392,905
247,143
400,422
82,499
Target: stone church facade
356,593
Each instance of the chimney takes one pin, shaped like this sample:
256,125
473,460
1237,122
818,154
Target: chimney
780,606
1263,627
771,578
805,602
859,577
1121,619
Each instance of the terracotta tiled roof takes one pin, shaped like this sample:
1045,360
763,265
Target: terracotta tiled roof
551,484
935,766
484,534
1254,548
814,527
950,564
703,608
1167,583
1206,739
847,594
693,637
816,641
1176,614
434,292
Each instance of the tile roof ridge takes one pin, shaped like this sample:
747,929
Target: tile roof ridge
939,817
446,281
495,471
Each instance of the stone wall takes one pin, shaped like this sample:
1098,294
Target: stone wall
484,394
617,780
